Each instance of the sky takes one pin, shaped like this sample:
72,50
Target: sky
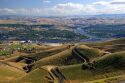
61,7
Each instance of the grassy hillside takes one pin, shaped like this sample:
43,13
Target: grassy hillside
39,55
8,73
67,57
102,62
112,61
109,42
114,45
105,67
90,52
57,59
36,76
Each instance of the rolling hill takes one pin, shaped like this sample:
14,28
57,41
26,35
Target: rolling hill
82,63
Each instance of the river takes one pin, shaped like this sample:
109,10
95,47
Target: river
90,37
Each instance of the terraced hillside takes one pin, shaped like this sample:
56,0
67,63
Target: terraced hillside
102,62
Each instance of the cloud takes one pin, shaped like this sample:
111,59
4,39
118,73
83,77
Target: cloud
58,10
46,1
118,2
73,9
110,7
102,3
22,11
100,7
7,11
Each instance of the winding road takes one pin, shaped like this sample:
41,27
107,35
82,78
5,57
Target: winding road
80,55
55,74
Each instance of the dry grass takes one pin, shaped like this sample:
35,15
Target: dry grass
72,81
7,21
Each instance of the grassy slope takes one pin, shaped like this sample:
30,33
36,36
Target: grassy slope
9,73
115,45
57,59
113,61
90,52
49,52
106,66
66,57
40,55
110,42
36,76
